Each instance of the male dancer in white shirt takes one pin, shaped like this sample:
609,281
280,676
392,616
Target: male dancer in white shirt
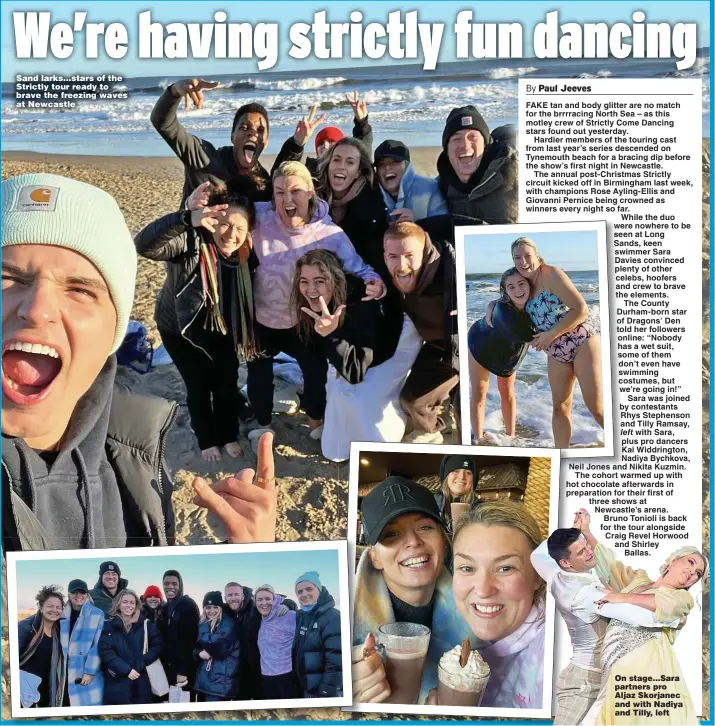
566,561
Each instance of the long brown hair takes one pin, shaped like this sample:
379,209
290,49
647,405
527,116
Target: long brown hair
365,169
44,594
330,266
505,513
504,297
115,609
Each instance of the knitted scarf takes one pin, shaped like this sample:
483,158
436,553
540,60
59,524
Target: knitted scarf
234,299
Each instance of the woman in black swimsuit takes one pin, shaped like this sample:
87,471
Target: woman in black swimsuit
499,350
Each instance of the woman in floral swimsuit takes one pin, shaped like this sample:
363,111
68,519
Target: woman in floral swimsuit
566,333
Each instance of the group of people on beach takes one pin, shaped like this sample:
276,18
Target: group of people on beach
102,645
483,578
345,263
539,307
257,263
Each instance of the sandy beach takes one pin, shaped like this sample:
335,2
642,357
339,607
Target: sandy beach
313,492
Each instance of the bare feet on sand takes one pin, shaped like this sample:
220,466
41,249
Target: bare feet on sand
233,449
213,453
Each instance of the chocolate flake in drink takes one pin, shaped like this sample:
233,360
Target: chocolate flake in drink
466,652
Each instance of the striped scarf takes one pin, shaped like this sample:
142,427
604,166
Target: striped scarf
234,299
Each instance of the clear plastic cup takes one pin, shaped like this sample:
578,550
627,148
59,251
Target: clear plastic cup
405,651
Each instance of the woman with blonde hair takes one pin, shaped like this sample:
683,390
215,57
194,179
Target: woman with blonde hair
370,346
645,652
346,180
502,599
566,333
217,651
124,654
38,641
293,224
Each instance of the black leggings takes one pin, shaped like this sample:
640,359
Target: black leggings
283,686
260,372
212,395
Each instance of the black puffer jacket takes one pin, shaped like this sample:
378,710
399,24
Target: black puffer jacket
365,222
121,652
491,195
181,303
181,628
317,649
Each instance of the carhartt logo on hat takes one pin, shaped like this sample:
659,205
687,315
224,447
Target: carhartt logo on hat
110,567
466,120
466,465
396,493
37,199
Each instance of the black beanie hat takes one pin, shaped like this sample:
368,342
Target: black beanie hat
109,567
456,461
466,117
213,598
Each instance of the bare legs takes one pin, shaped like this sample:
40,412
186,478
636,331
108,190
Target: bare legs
479,379
586,367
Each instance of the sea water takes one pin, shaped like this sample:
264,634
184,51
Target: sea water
404,102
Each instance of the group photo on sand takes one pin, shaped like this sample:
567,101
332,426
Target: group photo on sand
172,631
534,317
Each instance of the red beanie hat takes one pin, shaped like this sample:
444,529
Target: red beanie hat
329,133
152,591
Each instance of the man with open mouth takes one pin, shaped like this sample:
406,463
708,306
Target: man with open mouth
407,194
82,459
237,162
478,170
567,562
422,272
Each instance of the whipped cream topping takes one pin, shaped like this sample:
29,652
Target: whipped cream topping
462,679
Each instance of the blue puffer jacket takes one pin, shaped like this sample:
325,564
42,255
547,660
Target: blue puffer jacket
218,676
121,652
317,649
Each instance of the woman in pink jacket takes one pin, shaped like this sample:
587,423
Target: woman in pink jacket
293,224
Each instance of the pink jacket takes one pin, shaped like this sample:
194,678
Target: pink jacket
279,247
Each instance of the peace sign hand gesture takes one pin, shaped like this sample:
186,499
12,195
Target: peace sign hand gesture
192,89
359,106
327,322
306,126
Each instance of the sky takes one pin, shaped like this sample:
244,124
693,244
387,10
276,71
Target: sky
570,251
286,14
201,573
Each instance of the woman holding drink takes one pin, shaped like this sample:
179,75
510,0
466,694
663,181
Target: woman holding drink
403,596
457,495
